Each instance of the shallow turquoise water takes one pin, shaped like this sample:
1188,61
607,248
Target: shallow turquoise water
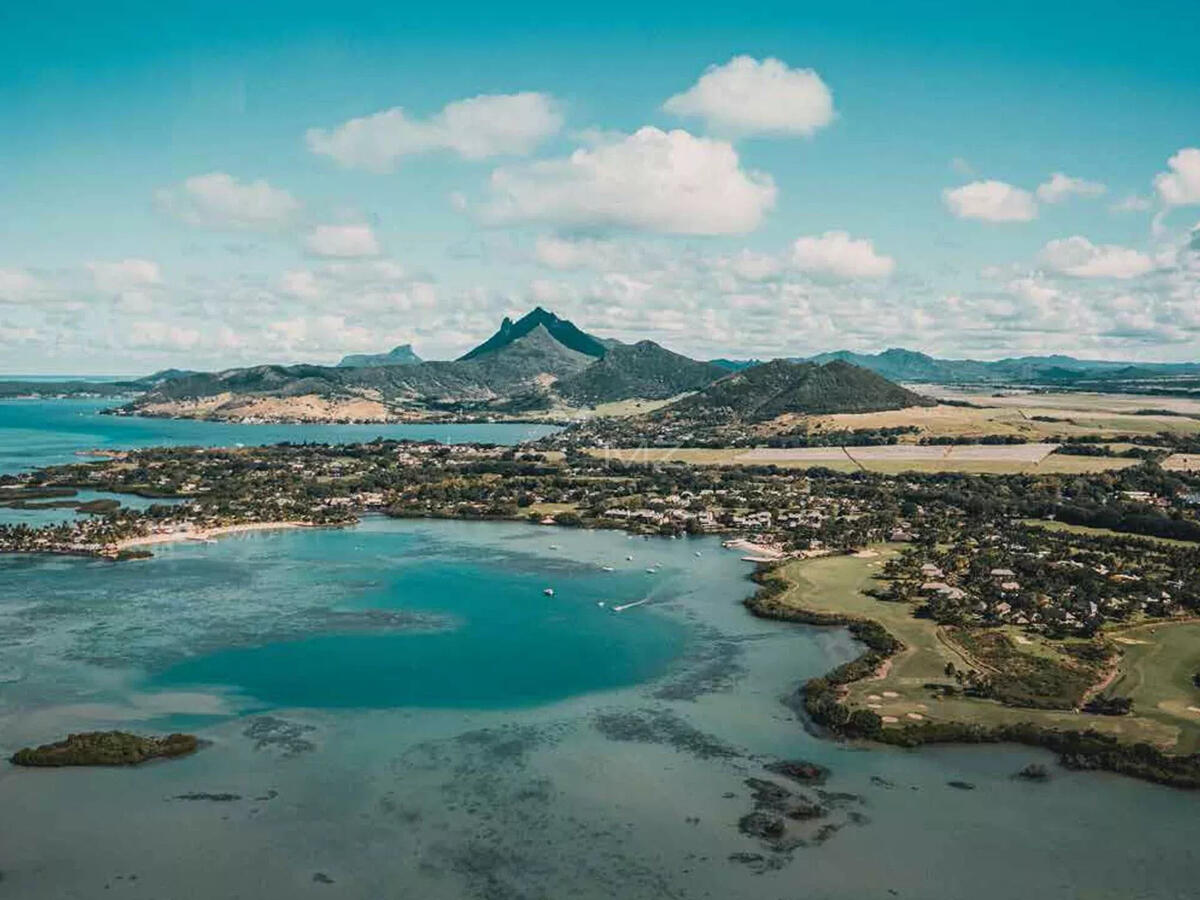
494,639
36,518
399,709
46,432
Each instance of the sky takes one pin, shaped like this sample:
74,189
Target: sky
207,185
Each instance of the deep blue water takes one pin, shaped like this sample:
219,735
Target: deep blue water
47,432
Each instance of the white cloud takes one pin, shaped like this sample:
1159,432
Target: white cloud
751,266
300,283
162,335
218,200
475,128
991,201
1131,203
124,275
1080,258
17,286
836,254
1060,187
342,241
562,253
1180,186
746,96
1033,290
670,182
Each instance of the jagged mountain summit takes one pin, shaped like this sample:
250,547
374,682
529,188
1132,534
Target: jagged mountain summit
561,330
404,355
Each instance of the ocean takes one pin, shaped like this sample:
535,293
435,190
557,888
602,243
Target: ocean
400,710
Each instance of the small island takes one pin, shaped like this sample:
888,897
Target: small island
106,748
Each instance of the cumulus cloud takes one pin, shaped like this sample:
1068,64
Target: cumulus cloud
218,200
475,128
564,253
838,255
1131,203
17,286
124,275
342,241
1080,258
152,334
991,201
300,283
1060,187
746,96
653,180
1180,186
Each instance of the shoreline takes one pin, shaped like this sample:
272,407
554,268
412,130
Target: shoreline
204,534
821,700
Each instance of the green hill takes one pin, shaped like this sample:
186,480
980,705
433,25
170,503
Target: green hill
772,389
644,370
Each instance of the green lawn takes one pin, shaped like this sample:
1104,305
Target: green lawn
1157,673
835,584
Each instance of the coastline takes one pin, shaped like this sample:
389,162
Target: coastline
821,700
204,534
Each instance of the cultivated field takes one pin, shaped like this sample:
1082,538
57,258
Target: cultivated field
1036,417
1182,462
835,584
997,459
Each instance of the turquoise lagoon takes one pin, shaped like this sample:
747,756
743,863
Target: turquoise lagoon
399,710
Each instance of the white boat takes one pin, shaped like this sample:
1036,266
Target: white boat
599,602
554,546
607,568
629,559
549,592
625,606
652,571
698,553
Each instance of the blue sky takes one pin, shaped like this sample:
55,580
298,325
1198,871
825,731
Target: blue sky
184,184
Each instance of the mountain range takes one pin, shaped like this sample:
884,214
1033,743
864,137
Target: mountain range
539,362
542,363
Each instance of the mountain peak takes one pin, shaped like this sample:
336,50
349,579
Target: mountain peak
402,355
561,330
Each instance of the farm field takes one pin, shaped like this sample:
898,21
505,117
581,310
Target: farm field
1037,417
996,459
836,584
1182,462
1052,525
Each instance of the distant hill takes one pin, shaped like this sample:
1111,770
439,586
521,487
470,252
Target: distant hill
398,356
560,330
735,365
909,365
764,392
644,370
